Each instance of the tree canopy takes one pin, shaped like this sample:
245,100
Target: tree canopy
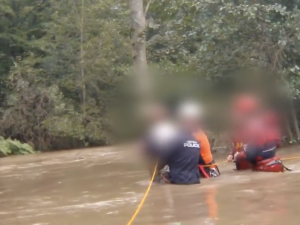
63,63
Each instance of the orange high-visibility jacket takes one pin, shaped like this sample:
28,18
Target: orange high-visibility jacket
205,151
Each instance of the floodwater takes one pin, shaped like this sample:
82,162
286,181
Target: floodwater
102,186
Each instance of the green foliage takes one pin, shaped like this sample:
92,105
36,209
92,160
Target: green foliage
14,147
63,62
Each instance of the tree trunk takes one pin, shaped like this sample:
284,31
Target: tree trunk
82,64
295,121
288,129
138,29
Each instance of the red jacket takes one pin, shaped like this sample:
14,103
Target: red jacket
258,130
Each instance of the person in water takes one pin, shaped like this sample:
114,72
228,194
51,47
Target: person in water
253,138
170,145
158,120
190,116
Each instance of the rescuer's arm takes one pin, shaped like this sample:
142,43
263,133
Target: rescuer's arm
204,143
233,151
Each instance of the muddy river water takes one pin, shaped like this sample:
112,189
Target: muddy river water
104,187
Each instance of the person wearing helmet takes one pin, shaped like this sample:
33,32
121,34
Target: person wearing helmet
170,145
253,140
190,114
244,108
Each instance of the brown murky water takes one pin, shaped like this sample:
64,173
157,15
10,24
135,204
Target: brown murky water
99,187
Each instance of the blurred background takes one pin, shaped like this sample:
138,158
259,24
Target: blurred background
66,67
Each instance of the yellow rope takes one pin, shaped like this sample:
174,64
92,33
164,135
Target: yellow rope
289,158
151,182
144,198
223,162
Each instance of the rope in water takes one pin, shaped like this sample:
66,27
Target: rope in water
290,158
223,162
144,198
151,182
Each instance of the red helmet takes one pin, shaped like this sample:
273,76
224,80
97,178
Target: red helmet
245,104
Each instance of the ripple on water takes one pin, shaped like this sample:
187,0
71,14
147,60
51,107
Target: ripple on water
40,224
89,199
250,191
74,207
143,182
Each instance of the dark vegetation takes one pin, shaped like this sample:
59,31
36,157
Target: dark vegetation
63,63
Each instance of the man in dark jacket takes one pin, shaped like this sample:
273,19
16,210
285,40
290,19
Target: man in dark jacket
175,147
181,153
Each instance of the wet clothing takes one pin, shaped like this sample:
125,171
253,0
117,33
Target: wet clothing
256,140
206,162
255,154
241,162
254,131
181,155
205,153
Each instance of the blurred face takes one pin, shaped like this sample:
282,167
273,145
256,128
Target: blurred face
244,107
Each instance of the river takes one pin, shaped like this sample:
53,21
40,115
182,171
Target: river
103,187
